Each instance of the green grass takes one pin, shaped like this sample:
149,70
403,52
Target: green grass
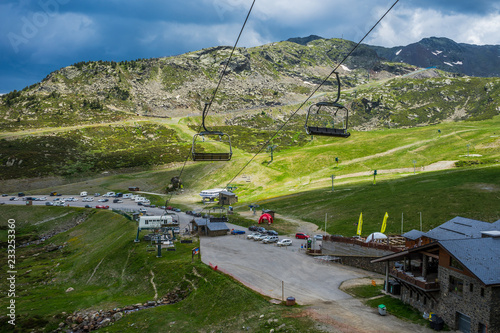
439,195
365,291
99,259
399,309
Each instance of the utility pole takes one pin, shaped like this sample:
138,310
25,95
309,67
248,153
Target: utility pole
420,221
333,177
402,219
326,217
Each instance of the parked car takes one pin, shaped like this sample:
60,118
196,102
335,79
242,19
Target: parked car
102,206
177,210
41,199
270,239
88,206
103,200
301,235
52,194
14,199
97,194
318,237
251,236
272,233
259,237
284,242
252,228
237,232
5,195
48,203
72,199
21,194
88,199
262,230
117,201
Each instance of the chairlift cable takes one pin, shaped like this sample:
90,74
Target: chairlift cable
312,94
207,107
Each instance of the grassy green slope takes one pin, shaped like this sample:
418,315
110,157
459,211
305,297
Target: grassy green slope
440,196
107,269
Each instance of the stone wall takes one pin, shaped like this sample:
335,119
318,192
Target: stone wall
475,302
355,255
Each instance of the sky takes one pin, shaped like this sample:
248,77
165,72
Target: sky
40,36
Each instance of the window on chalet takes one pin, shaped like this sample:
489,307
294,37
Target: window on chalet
482,292
456,285
471,287
455,264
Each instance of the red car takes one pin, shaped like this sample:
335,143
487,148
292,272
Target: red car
301,235
102,206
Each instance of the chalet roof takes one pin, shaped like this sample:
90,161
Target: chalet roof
479,255
461,228
216,226
413,234
227,193
212,226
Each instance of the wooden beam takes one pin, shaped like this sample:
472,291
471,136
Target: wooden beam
432,255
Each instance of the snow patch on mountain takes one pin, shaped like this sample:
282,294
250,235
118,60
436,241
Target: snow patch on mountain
345,68
397,53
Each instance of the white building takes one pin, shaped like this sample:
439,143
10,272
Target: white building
154,222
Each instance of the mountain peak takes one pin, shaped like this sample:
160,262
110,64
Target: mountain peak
304,40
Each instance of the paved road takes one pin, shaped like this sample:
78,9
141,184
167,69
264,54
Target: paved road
264,266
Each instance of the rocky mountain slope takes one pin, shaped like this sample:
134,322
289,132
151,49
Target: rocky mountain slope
447,55
263,77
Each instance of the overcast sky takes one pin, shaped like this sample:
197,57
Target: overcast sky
40,36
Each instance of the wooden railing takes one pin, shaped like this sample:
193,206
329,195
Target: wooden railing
373,245
419,282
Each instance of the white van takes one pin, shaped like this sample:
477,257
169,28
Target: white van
109,194
83,194
127,196
140,199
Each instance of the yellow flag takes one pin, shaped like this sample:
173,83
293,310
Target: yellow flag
360,224
384,223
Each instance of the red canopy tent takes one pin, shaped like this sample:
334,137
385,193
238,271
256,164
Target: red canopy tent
267,217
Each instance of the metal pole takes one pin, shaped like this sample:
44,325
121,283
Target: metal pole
420,221
326,217
402,218
282,291
333,177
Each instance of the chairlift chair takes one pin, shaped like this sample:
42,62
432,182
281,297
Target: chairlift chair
332,115
207,134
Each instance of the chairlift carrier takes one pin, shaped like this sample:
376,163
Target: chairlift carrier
329,131
204,156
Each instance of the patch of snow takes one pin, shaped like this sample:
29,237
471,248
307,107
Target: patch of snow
305,82
437,52
447,63
345,68
397,53
458,63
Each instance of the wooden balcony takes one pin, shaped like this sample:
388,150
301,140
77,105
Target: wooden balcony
417,281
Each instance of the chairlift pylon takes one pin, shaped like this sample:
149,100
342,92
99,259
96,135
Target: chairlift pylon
210,156
331,108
